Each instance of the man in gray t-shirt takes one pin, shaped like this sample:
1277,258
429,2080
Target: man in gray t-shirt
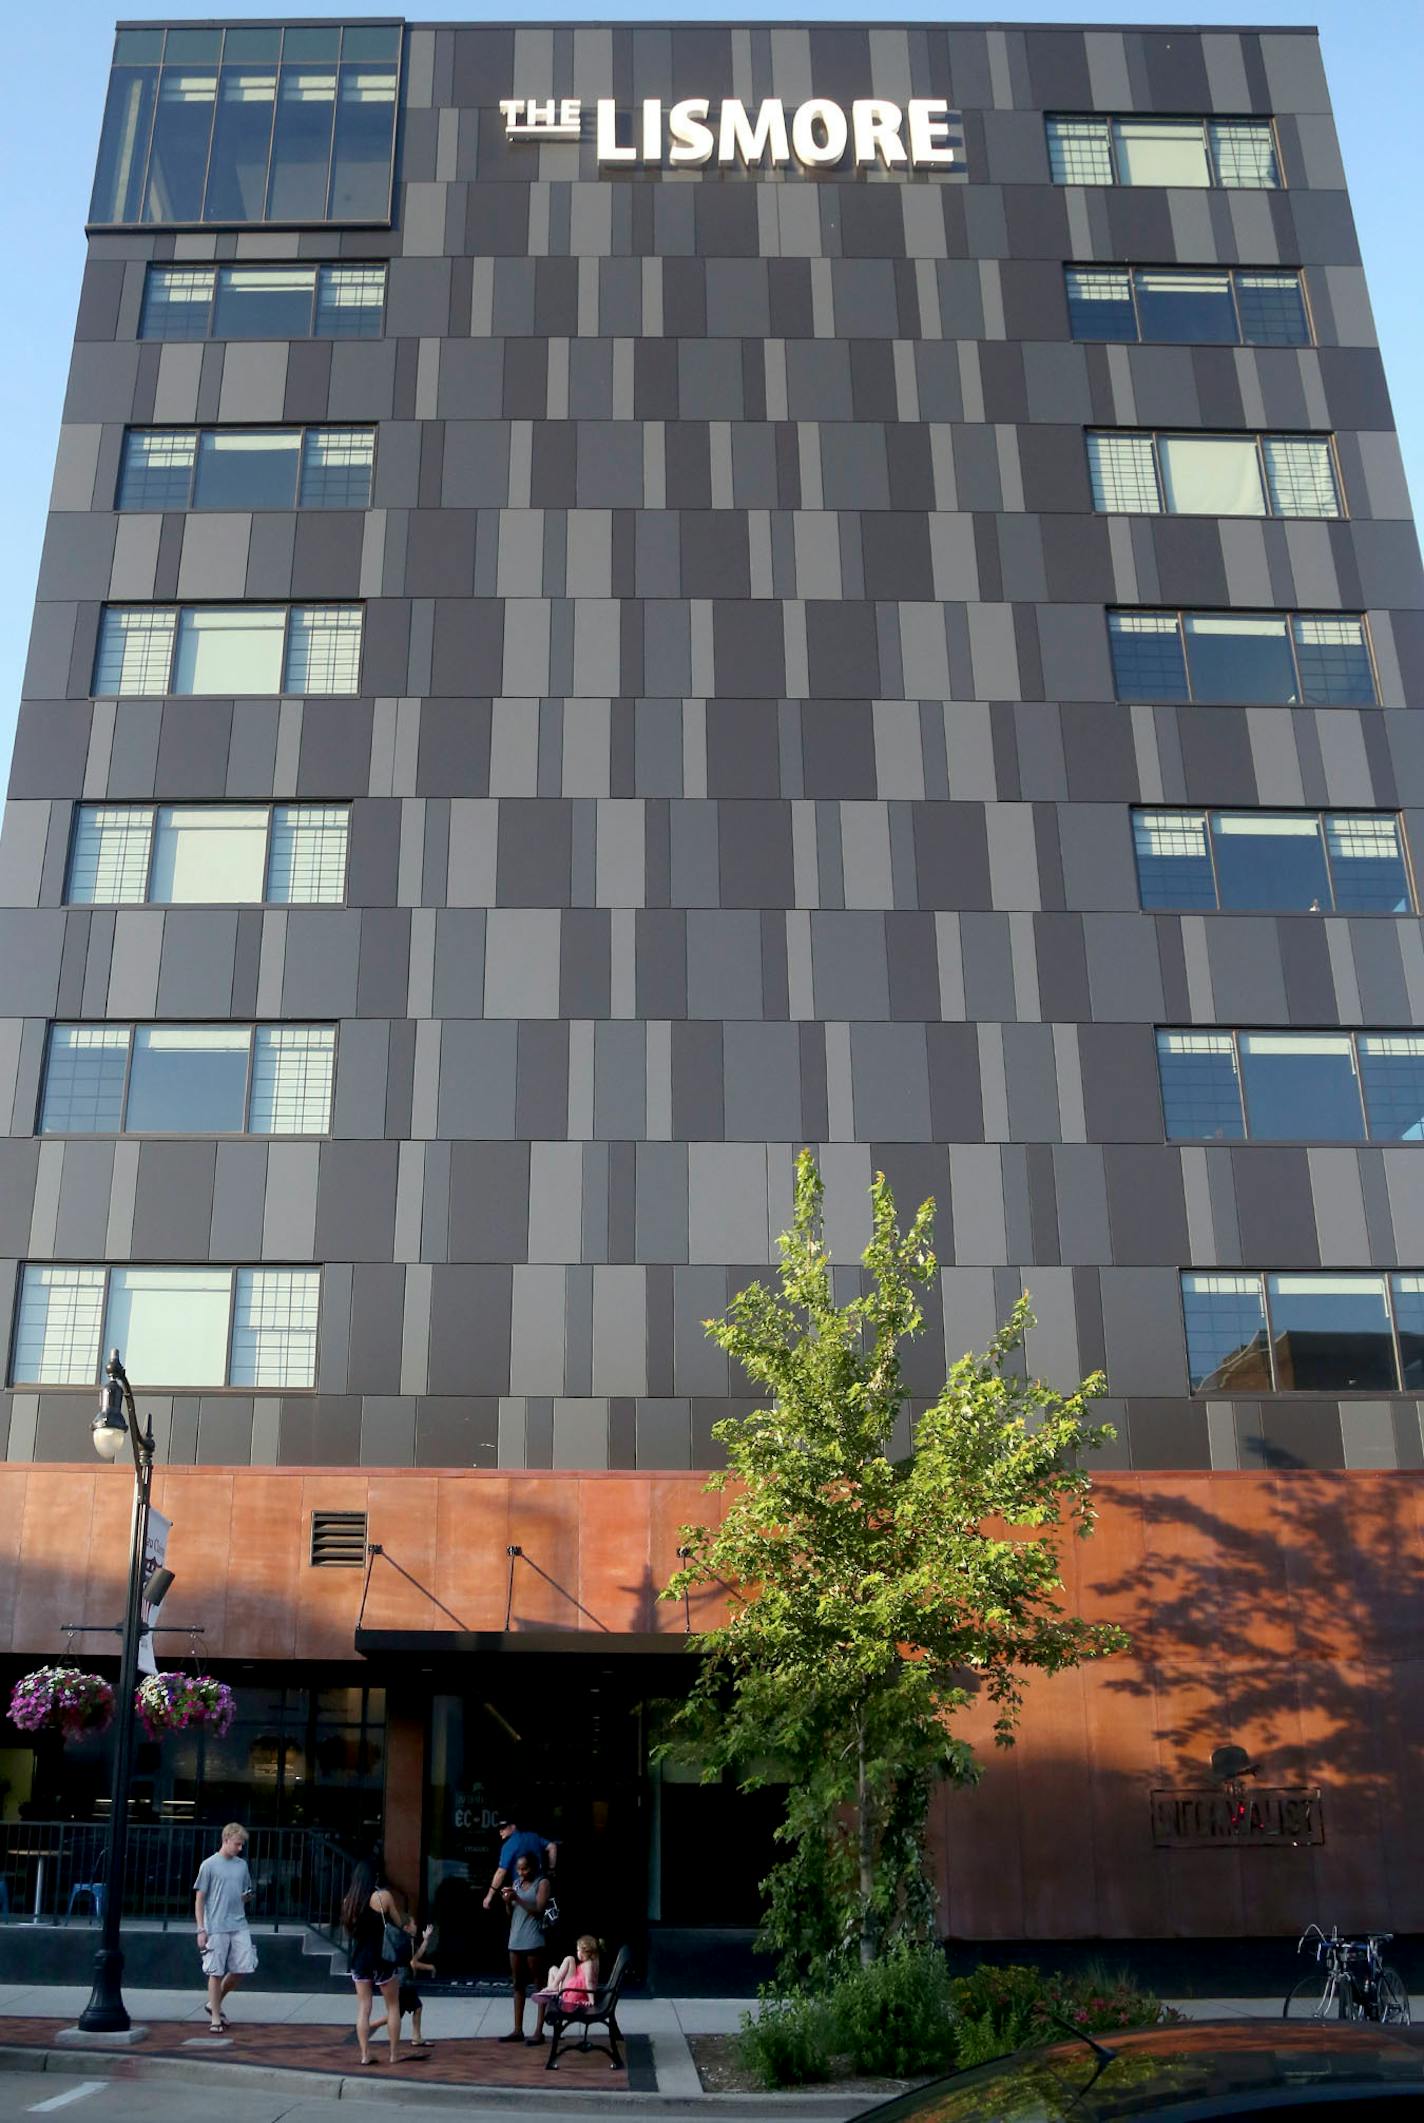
222,1889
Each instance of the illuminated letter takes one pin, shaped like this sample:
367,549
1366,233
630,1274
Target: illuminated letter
652,131
608,148
876,124
511,106
571,111
929,122
541,113
832,121
748,141
692,140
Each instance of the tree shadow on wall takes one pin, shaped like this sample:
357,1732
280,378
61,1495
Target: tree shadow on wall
1283,1619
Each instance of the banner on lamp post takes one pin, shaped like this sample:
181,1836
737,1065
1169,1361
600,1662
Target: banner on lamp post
155,1555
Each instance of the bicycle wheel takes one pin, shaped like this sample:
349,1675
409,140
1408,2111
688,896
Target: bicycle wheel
1318,1996
1392,1999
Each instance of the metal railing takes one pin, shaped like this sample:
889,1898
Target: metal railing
54,1870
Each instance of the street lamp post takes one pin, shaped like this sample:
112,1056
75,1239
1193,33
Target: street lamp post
118,1419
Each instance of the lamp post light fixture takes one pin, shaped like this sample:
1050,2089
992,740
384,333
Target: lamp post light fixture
116,1421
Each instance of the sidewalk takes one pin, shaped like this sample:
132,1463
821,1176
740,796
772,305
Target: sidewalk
307,2043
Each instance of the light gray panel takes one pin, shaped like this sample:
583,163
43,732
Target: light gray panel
726,1202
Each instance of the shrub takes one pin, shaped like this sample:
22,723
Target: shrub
1010,2007
893,2018
788,2043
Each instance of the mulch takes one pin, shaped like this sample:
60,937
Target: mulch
477,2060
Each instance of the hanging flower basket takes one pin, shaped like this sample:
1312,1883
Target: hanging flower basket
170,1702
62,1699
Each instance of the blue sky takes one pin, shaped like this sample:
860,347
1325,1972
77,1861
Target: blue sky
57,62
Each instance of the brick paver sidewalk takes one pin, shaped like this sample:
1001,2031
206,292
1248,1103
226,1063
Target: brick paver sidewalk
288,2046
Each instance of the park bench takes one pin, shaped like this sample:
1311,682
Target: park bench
603,2012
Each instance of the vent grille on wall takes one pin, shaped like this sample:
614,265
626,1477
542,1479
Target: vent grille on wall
338,1540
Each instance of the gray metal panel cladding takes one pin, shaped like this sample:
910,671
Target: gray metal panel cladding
737,764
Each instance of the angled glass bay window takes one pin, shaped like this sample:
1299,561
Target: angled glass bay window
249,124
1271,861
109,855
188,1080
263,302
1242,658
1331,1333
1227,1349
247,468
1214,306
1407,1293
57,1329
1201,1094
228,649
1236,153
208,854
84,1080
1243,154
1160,151
1392,1074
197,1326
274,1327
1301,1087
1211,475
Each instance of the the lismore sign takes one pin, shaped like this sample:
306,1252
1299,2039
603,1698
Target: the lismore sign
924,133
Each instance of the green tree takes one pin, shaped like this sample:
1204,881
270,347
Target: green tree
873,1595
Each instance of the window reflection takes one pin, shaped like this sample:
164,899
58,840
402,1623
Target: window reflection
1331,1333
1310,1333
245,125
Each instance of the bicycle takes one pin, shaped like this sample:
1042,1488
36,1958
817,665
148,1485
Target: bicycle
1350,1981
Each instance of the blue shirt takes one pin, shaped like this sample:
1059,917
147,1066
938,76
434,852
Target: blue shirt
523,1844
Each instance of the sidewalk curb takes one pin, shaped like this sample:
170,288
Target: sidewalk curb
410,2093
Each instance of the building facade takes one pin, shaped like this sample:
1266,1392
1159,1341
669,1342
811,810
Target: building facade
618,601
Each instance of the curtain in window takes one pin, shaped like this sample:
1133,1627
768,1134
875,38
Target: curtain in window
209,854
230,649
1160,151
1211,475
171,1323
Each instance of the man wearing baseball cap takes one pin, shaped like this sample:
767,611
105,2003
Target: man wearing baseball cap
518,1842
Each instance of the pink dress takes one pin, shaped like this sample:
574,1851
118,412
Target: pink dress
575,1996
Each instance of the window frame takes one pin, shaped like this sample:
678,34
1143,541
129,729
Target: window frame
338,64
1232,272
1288,618
300,429
1258,437
1110,120
1353,1034
107,1269
318,267
1276,1392
132,1027
183,635
153,810
1322,818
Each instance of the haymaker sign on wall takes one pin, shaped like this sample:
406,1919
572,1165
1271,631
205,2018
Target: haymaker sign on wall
817,134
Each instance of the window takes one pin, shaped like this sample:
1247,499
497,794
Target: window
263,302
1214,307
188,1080
247,468
1292,1086
1247,658
1313,1333
1233,153
1212,475
228,649
185,1327
208,855
1271,861
249,124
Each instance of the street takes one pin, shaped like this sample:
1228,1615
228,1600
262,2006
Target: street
81,2098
